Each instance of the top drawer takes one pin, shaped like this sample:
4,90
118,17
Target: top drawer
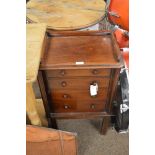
77,72
77,83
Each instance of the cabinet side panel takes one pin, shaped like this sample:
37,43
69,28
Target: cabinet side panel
112,88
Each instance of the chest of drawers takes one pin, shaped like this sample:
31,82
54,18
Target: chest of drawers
78,75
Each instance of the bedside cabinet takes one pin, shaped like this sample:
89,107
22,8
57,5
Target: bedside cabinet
78,75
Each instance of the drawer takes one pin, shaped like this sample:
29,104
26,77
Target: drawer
91,106
77,83
77,72
67,106
78,106
69,94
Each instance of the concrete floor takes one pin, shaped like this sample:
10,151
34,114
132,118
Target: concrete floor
90,142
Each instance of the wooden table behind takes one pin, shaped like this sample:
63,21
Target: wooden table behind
66,14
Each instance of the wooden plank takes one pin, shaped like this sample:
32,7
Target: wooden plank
82,115
45,141
34,45
34,42
41,112
66,14
31,106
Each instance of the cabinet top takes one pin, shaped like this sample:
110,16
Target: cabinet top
81,49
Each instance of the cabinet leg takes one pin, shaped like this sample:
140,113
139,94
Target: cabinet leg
52,123
105,125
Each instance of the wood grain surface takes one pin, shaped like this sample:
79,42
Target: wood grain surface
66,14
41,111
66,95
77,83
73,61
31,106
34,47
35,34
81,49
79,106
78,72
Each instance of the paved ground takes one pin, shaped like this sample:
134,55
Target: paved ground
90,142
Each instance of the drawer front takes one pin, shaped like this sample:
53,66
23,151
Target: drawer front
77,83
78,106
77,72
68,106
67,94
95,106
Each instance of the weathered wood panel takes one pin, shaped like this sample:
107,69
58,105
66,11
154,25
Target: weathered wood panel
35,34
66,14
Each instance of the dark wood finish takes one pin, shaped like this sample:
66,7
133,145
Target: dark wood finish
81,115
105,124
78,106
77,83
77,72
71,63
65,50
113,85
46,101
28,120
65,95
43,91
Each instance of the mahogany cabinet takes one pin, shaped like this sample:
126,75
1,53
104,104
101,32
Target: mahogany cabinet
78,75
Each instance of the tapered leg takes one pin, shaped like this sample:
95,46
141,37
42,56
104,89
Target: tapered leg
105,125
52,123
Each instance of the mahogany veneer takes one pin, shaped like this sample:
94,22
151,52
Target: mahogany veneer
72,62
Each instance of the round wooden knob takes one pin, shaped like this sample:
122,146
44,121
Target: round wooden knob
62,72
95,71
94,83
63,84
66,106
92,106
65,96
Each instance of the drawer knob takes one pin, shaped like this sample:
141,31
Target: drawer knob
63,84
66,106
92,106
95,71
65,96
62,72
